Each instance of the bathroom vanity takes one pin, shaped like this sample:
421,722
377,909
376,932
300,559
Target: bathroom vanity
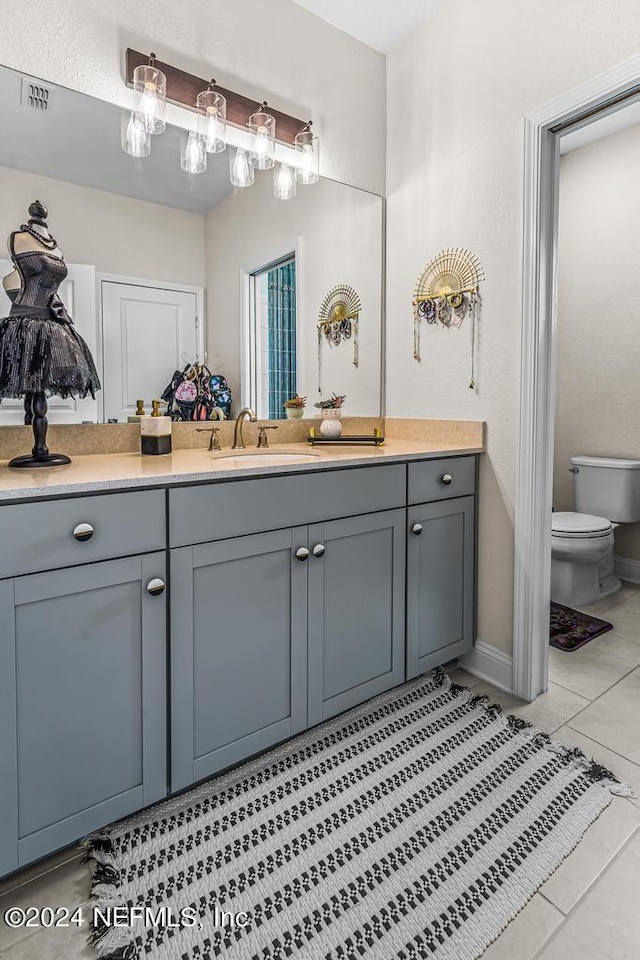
160,623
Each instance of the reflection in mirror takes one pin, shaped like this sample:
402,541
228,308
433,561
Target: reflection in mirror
169,269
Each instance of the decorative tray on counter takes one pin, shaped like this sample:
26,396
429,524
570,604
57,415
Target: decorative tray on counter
374,439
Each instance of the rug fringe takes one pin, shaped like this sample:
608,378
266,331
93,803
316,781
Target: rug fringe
592,769
116,945
572,755
109,943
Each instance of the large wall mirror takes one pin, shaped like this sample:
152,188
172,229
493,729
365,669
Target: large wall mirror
166,268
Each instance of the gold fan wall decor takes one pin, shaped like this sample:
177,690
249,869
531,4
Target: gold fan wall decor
338,320
445,292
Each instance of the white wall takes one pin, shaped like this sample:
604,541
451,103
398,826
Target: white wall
337,234
116,234
598,381
273,50
457,91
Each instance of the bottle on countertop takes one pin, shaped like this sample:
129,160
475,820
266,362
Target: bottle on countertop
155,432
140,412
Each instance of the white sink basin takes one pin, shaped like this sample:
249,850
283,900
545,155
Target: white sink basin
265,459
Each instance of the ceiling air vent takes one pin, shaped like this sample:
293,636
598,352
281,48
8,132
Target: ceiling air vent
36,95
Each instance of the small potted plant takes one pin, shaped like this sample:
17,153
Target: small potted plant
294,407
331,411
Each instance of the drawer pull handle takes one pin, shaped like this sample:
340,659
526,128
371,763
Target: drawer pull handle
416,529
302,553
319,550
83,532
155,587
446,478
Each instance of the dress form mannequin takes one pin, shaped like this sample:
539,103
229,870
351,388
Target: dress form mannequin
40,350
23,242
12,285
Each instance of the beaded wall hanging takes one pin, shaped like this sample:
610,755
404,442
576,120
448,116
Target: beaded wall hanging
445,293
338,321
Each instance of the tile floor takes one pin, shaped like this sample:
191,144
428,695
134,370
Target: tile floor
588,910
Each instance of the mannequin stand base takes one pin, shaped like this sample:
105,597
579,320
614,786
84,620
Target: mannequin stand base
35,409
48,460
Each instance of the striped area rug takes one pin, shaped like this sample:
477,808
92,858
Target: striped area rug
414,826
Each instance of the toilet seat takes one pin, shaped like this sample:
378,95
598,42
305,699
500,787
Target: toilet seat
579,526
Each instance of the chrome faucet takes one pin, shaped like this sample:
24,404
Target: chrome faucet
238,442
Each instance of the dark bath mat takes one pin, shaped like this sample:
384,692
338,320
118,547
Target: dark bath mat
570,629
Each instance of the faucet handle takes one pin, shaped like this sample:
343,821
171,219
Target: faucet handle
262,435
214,441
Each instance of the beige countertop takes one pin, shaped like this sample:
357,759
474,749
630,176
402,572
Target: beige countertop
121,471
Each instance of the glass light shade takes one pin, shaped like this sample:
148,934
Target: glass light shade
307,148
135,139
284,183
263,141
240,168
151,84
193,154
212,122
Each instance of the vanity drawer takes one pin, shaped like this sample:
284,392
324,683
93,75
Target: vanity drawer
218,511
40,536
441,479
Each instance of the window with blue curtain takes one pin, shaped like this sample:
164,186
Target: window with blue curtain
281,320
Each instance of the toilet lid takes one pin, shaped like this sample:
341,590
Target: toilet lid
580,525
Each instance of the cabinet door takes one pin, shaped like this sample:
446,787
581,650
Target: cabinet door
82,702
238,650
440,583
356,610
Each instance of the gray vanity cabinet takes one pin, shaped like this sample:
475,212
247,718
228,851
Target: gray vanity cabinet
238,650
251,596
82,701
440,582
356,610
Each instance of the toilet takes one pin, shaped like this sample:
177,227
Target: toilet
607,493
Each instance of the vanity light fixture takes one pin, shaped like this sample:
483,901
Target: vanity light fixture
193,150
193,153
263,140
157,82
135,139
284,182
151,83
307,148
213,120
240,168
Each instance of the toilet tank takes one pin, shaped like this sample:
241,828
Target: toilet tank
606,487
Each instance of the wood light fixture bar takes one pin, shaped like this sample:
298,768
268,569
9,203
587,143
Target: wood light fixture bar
183,88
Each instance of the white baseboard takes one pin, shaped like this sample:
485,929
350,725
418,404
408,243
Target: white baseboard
627,569
490,664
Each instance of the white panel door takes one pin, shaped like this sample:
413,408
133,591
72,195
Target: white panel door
78,293
146,332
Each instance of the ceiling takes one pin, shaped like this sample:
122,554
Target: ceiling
381,24
78,140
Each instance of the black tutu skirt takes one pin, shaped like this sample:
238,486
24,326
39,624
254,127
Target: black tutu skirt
44,355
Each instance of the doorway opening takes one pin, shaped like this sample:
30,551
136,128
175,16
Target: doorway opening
604,95
273,337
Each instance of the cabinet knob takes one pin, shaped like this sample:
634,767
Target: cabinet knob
155,587
446,478
83,532
318,550
302,553
416,529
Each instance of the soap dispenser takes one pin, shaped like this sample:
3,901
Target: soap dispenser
155,432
